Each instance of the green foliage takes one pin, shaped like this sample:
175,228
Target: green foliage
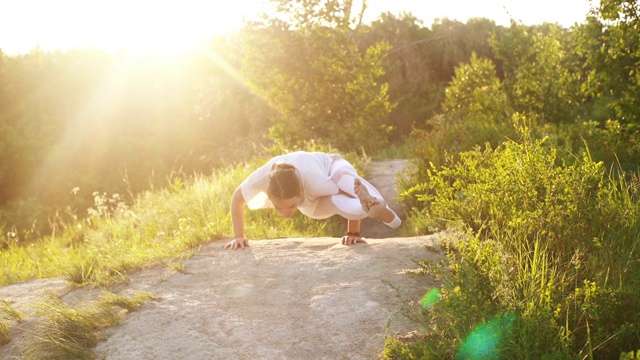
610,141
610,44
305,61
475,113
475,94
466,191
422,60
548,247
541,78
548,233
443,142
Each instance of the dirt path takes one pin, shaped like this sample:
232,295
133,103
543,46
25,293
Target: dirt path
382,174
280,299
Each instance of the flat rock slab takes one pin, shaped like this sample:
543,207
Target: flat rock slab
279,299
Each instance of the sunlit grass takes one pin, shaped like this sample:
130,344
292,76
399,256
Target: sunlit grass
4,332
8,315
65,331
161,224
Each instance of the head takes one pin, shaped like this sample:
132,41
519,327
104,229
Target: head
285,189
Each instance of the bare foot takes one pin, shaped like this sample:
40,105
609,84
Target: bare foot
376,208
366,200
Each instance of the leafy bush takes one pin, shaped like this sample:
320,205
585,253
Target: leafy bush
547,267
611,142
475,113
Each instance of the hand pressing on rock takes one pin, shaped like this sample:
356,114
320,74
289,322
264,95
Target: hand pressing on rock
237,244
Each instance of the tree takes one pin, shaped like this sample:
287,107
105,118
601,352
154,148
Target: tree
610,43
422,60
475,94
456,41
538,79
305,62
475,112
407,70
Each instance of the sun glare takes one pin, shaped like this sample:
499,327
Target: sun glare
165,27
141,25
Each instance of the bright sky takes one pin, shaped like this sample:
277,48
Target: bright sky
171,24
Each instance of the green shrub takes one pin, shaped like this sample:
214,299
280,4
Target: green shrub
613,143
547,268
519,186
475,113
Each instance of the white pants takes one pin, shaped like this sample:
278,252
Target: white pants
343,175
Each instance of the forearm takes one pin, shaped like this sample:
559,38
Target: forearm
237,214
353,226
342,192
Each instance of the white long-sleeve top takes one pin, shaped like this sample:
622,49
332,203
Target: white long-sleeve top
314,169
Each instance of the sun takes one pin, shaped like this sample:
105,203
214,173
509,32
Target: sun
141,25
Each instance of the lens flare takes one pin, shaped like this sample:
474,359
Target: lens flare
430,298
487,339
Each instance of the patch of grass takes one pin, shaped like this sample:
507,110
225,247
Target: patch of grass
8,315
174,264
127,302
66,331
9,312
4,333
